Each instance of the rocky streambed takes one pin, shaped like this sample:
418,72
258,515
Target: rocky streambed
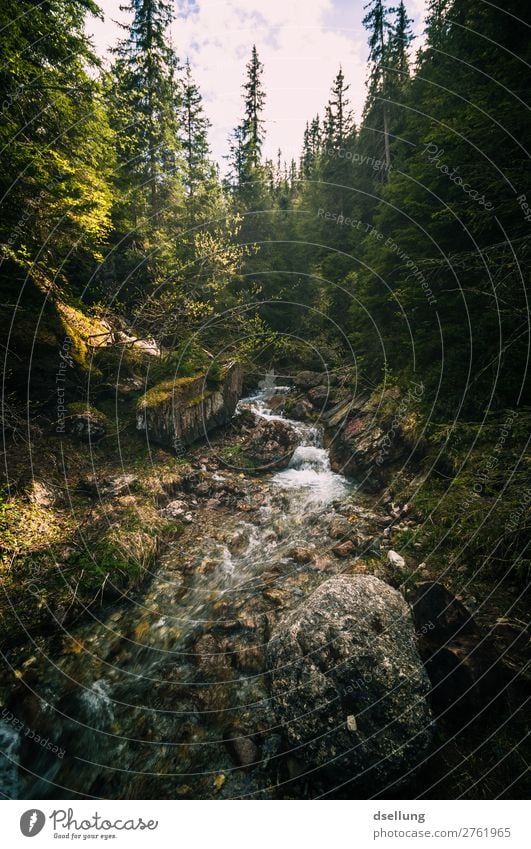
268,656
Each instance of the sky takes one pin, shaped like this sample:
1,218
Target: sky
301,43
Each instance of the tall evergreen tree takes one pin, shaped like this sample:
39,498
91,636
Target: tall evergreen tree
377,23
339,121
194,126
400,40
435,20
146,92
235,159
253,124
445,261
246,172
56,147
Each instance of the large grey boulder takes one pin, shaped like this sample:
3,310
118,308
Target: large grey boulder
348,684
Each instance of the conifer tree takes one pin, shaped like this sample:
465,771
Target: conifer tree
376,22
400,41
253,124
146,93
246,172
435,20
339,114
194,126
56,147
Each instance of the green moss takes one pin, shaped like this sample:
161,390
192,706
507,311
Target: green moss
80,408
234,455
172,366
472,501
165,391
115,362
80,327
198,399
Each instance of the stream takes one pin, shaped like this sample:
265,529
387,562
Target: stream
167,697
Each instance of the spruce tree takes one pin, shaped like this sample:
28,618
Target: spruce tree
56,147
253,124
146,93
400,41
194,126
246,172
234,179
339,112
435,20
376,22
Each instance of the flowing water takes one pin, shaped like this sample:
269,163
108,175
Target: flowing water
143,700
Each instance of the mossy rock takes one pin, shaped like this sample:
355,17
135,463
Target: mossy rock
165,391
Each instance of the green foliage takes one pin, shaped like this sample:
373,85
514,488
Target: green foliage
440,268
57,158
475,504
199,171
145,92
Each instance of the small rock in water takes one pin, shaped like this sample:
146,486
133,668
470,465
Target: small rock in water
323,563
302,409
320,397
339,527
395,559
271,445
244,751
302,553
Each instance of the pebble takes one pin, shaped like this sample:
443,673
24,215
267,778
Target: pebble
395,559
344,548
352,725
244,751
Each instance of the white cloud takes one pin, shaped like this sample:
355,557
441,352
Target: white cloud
300,52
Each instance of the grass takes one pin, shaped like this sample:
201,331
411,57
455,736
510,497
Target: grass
234,455
468,489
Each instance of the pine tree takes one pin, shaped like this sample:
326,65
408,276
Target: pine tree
253,124
235,158
56,147
305,165
435,20
194,126
339,115
376,22
400,41
146,93
246,171
443,210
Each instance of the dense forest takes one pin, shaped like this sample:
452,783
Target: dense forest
392,256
